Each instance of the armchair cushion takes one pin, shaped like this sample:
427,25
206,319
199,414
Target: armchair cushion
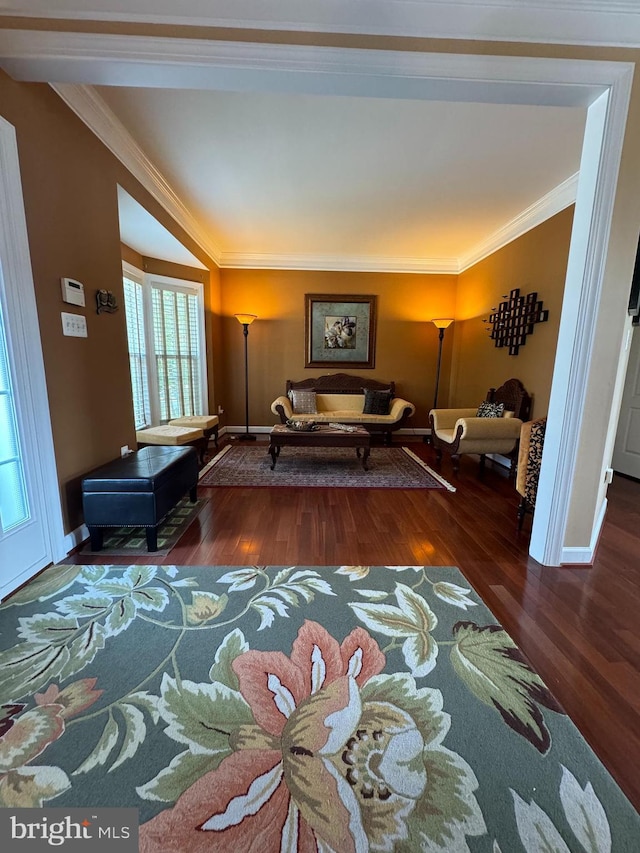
490,410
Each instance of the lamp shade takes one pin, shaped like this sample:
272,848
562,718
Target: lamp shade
246,319
442,324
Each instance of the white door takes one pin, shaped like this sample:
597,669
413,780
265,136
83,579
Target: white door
31,533
626,452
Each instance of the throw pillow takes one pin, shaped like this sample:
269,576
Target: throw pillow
490,410
376,402
304,402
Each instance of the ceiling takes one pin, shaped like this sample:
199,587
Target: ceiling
309,177
317,178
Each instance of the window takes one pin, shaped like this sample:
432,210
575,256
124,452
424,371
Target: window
165,333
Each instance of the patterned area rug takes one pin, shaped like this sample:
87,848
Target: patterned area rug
132,541
349,708
328,467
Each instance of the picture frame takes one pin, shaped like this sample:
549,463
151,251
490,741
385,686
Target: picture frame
339,330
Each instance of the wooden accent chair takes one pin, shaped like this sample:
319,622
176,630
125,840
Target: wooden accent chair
529,460
458,431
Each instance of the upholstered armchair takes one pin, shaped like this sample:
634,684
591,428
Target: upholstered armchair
529,461
458,431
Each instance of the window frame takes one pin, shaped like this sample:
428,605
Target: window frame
149,281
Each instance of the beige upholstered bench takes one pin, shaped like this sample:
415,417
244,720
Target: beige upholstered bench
174,436
207,423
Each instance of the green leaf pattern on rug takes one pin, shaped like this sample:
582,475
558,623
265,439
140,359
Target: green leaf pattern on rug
411,619
494,669
304,735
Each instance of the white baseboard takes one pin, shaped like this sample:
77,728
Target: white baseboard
75,538
578,556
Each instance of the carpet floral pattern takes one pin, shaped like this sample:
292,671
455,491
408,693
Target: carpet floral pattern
333,467
345,708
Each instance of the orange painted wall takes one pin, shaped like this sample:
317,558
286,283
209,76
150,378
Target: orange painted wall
406,349
537,261
407,343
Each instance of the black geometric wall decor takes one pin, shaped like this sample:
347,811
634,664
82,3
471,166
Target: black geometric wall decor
514,319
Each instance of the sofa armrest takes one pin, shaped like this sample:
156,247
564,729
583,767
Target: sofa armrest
401,408
282,407
447,418
489,428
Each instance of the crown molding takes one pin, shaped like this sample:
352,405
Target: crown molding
338,263
544,208
580,22
92,110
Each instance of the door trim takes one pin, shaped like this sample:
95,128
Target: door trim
24,331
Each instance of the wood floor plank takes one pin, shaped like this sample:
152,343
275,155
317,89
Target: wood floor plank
578,626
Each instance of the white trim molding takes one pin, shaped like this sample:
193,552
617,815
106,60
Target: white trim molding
602,150
553,202
591,22
342,263
572,556
179,63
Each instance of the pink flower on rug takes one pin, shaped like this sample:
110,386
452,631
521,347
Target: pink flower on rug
330,754
25,736
281,780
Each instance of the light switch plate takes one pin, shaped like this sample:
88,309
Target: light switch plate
74,325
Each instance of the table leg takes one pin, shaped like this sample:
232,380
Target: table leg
275,452
365,456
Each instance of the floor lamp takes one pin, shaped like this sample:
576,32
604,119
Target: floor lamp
441,325
246,320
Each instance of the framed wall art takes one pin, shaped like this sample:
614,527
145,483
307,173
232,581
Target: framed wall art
339,331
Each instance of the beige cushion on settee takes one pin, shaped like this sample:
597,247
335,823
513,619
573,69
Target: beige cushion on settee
343,408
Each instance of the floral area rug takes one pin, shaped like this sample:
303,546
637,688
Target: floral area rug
132,541
345,709
328,467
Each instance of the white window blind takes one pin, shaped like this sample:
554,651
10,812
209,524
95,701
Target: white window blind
14,506
134,309
165,332
176,340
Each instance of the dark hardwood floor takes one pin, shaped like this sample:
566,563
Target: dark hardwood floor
580,627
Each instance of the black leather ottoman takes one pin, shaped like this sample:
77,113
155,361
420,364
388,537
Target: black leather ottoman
138,490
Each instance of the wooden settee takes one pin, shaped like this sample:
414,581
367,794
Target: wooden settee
340,398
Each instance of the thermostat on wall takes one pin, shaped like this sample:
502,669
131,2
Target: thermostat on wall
72,291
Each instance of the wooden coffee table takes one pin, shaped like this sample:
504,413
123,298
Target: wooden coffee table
282,436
